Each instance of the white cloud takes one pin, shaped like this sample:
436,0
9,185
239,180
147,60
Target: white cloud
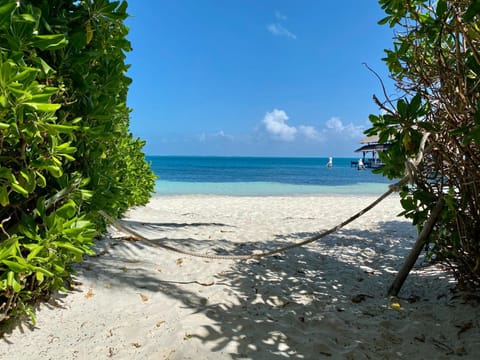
350,130
276,134
204,137
275,124
309,132
279,15
278,30
334,130
223,135
335,124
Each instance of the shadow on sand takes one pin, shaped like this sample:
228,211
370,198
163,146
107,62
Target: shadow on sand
294,304
311,300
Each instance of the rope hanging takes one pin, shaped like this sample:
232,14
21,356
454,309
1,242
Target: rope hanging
309,240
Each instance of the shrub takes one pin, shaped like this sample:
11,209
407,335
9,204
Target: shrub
435,62
65,146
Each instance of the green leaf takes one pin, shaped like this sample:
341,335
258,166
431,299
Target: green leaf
29,228
61,128
69,247
29,182
384,20
4,201
474,135
15,266
67,210
27,74
7,174
68,157
41,206
39,276
86,194
44,271
49,42
45,107
6,11
72,232
54,170
42,98
18,92
47,69
415,103
402,109
16,286
9,248
56,160
65,148
3,101
19,189
12,282
78,39
41,181
34,251
472,11
24,18
58,268
441,8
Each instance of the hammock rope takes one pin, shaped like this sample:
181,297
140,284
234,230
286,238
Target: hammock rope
115,223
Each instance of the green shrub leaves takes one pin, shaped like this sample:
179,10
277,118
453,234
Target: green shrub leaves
65,146
435,62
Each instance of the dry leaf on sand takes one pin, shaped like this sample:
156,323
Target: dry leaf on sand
89,294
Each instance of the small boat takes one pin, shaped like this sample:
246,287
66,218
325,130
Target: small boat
360,165
330,162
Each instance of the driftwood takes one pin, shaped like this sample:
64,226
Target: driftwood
417,249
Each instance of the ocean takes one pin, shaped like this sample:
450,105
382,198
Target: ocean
262,176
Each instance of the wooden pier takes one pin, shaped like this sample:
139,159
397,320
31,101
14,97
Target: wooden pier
371,145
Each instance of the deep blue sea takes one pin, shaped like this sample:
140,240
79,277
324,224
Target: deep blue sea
262,176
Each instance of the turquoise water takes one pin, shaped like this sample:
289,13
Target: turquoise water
258,176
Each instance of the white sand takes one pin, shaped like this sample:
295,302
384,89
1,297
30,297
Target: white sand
325,300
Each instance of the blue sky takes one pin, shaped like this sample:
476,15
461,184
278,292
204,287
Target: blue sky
254,77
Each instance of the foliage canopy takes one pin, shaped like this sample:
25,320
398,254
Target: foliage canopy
435,63
65,146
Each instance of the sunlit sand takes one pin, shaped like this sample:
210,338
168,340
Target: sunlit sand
325,300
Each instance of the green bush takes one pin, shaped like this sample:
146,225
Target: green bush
65,146
435,63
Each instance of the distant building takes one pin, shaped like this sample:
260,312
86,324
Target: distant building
370,151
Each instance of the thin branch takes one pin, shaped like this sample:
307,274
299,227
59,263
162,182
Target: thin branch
381,83
3,229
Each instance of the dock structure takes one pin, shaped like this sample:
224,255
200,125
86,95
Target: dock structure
373,147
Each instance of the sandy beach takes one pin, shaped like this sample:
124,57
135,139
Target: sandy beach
325,300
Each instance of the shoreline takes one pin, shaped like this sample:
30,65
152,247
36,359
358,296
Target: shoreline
137,301
220,196
259,188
